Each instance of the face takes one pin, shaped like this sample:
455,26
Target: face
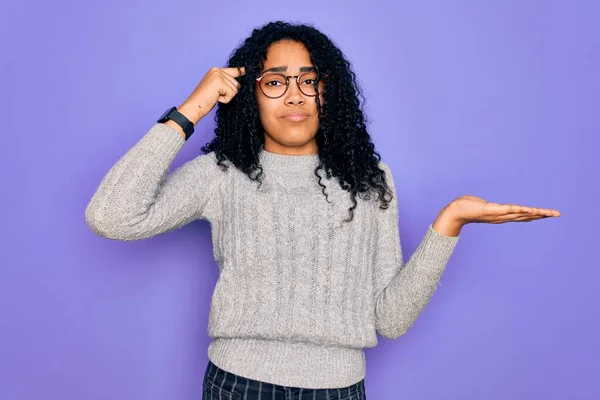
291,121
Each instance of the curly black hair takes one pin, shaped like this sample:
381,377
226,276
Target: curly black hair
345,147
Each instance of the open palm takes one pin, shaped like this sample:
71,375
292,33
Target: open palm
469,209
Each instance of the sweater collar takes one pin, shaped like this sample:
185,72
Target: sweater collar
288,164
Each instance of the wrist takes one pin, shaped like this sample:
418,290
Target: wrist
447,223
191,112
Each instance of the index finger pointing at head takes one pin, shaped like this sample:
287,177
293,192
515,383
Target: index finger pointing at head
235,71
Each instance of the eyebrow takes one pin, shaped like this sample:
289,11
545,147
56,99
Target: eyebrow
283,68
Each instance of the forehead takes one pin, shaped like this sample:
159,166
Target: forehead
287,52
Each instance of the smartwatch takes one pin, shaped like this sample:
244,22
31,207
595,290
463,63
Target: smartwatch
180,119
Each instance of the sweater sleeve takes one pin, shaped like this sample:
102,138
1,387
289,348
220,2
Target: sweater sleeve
403,291
137,199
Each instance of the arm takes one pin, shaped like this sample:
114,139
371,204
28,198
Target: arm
403,291
136,199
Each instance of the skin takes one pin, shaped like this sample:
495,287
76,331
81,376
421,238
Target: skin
282,135
472,209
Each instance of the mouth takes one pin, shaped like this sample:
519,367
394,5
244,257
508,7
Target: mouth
295,116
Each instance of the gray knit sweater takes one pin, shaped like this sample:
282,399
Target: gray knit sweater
300,294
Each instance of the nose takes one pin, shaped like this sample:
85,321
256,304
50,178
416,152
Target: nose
294,96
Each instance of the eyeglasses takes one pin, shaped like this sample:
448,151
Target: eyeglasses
275,85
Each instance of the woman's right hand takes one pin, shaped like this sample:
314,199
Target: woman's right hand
219,84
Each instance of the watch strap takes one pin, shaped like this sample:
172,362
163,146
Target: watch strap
180,119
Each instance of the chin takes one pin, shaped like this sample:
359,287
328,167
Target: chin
294,137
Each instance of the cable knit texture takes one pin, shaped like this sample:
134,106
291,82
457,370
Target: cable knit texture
300,294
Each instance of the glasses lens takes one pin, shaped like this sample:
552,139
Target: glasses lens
307,83
273,85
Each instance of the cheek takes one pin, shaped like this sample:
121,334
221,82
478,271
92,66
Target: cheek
265,110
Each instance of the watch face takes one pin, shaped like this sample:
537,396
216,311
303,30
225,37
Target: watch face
166,113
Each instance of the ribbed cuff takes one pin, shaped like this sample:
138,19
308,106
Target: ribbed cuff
162,140
434,251
444,243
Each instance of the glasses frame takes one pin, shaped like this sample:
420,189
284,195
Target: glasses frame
287,82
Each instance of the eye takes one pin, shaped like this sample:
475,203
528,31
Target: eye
274,80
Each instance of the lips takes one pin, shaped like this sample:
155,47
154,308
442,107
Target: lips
295,116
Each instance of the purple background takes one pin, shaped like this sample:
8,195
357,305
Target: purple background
494,99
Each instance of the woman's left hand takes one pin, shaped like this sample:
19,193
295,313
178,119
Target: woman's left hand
469,209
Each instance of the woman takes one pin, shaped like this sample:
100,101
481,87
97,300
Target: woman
303,216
